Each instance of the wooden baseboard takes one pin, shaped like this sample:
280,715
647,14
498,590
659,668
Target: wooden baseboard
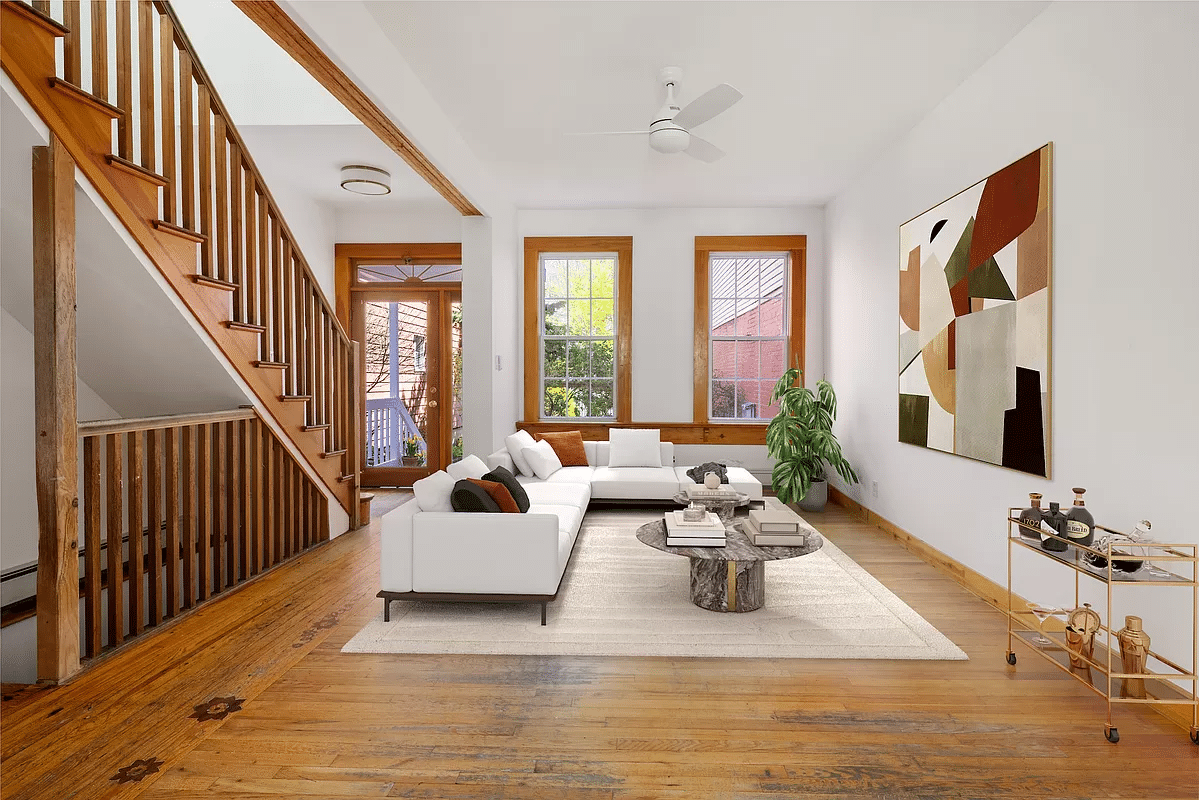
986,589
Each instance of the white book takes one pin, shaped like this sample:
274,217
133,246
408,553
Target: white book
709,522
779,539
693,541
699,490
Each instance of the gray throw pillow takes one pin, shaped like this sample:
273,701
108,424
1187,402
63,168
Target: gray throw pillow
472,498
502,476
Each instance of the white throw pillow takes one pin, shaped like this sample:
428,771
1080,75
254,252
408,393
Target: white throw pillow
433,493
542,459
515,444
634,448
470,467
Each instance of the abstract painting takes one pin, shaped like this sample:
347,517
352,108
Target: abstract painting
974,320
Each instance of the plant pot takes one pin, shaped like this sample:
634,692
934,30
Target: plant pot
410,461
817,496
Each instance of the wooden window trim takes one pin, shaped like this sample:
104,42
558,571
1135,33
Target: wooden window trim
706,245
623,247
347,256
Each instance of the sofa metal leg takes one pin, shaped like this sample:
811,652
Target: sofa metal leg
543,613
386,609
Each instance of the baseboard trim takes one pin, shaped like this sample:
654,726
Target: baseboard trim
986,589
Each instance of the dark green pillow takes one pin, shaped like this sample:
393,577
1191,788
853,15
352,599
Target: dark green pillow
503,476
472,498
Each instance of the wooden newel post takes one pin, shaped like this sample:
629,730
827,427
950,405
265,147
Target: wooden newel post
354,457
54,412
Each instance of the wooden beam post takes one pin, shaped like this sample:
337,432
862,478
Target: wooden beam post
354,444
54,412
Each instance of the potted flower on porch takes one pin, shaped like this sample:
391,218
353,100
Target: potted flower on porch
801,438
413,456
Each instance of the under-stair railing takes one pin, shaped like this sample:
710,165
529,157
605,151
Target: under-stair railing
134,61
177,510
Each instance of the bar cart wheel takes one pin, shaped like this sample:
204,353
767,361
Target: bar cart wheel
1111,733
1011,657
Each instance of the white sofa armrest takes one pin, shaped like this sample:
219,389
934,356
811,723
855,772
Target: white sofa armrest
485,553
501,458
395,542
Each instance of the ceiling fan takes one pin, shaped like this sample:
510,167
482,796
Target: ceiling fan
670,131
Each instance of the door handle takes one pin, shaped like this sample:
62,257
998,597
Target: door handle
432,404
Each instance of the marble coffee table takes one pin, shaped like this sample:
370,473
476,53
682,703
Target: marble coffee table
723,507
729,578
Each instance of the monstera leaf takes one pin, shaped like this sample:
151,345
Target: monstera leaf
801,437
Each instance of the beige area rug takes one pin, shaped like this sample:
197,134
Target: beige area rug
622,598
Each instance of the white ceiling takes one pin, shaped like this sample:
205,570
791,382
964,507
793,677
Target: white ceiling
307,159
828,85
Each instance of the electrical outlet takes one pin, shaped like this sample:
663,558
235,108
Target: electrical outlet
874,488
498,364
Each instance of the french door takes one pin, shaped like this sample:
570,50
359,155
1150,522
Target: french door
411,379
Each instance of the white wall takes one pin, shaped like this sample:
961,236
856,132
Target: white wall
1113,86
416,225
18,491
663,296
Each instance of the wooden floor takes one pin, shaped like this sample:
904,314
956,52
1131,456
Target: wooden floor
297,718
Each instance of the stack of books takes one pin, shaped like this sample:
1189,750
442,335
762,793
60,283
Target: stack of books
775,527
708,532
700,492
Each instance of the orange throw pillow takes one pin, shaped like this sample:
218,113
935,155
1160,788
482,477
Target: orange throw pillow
500,494
568,446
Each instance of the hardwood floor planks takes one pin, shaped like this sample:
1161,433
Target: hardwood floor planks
319,723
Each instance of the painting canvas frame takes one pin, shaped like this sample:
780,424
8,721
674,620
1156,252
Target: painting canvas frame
975,320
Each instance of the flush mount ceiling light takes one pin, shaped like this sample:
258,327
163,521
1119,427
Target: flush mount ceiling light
361,179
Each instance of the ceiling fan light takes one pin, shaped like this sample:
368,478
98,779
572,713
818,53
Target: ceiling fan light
669,140
361,179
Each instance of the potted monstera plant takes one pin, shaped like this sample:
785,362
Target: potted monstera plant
801,438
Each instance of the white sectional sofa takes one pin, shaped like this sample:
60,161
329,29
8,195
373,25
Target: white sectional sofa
512,558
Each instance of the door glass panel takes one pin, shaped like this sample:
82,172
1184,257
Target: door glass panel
456,389
396,354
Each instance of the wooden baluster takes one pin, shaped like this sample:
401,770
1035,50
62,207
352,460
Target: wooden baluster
232,503
92,567
260,493
318,386
220,501
42,6
277,328
124,14
251,270
172,493
270,499
145,63
297,518
289,269
113,535
136,521
154,519
99,24
310,353
72,65
166,50
301,330
245,541
324,517
329,380
204,509
264,274
187,144
237,262
288,500
191,482
204,118
357,428
220,143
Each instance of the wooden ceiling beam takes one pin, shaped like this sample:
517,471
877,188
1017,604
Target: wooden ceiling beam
275,22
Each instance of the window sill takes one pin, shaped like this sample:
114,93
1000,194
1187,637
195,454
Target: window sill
743,433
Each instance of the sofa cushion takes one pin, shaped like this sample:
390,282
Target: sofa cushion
501,475
630,447
740,479
570,519
468,496
634,483
564,475
515,443
470,467
433,492
598,457
542,459
555,493
569,447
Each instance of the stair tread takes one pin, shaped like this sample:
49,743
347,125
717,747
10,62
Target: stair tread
344,478
53,26
87,97
126,165
272,364
316,427
249,327
186,233
332,453
214,283
292,397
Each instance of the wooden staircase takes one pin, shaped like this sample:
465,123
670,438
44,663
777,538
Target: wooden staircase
179,177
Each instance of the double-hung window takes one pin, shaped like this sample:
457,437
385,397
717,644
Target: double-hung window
576,345
749,323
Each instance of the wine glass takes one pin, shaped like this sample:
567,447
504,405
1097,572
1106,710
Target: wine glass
1042,614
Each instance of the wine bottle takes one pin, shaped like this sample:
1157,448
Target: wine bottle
1031,517
1080,525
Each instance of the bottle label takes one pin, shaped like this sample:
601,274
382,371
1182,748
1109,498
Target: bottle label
1077,530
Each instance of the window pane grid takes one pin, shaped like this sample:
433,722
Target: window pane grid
578,335
747,332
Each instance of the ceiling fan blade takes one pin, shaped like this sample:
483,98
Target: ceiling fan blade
707,105
703,150
609,133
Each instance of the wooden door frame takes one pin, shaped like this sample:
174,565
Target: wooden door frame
440,294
